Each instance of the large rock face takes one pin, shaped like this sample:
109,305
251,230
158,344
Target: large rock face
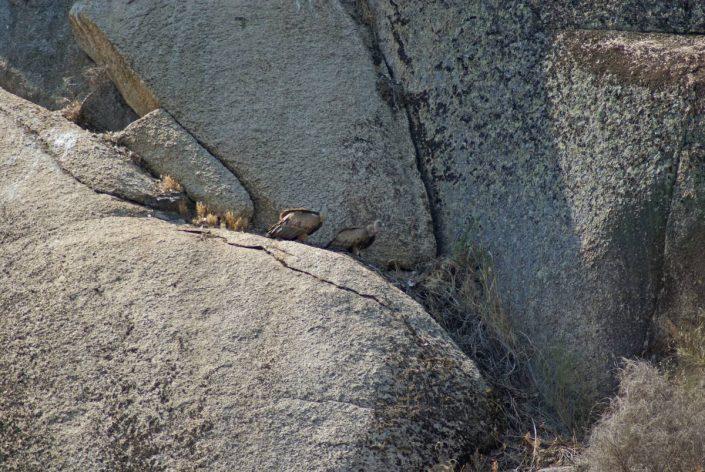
285,95
131,343
39,59
561,169
682,304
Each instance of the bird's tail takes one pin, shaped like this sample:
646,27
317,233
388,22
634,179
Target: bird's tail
272,231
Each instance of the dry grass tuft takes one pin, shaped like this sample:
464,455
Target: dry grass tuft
201,210
72,111
690,350
654,424
184,209
461,294
235,223
211,220
168,184
205,217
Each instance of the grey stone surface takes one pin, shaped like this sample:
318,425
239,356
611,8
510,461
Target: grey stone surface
562,175
129,343
39,58
682,303
285,95
105,110
88,158
168,149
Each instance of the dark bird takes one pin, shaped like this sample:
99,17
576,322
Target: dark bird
356,239
296,224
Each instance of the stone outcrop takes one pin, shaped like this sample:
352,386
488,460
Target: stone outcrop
88,158
285,95
625,109
682,303
168,149
129,342
552,158
105,110
39,59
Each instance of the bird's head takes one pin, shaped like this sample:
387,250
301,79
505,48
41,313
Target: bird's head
375,228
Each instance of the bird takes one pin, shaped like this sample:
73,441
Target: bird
356,239
296,224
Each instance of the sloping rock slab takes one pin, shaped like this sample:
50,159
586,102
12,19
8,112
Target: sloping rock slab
168,149
130,343
285,95
88,158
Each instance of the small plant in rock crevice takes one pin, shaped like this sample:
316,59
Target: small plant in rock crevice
461,294
168,184
205,217
72,112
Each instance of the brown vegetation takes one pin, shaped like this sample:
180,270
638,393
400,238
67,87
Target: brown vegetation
235,223
654,424
461,294
168,184
72,111
205,217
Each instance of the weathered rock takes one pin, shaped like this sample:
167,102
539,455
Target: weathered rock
285,95
621,105
682,304
105,110
168,149
563,176
128,343
88,158
39,59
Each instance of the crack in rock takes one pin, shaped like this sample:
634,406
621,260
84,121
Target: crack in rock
257,247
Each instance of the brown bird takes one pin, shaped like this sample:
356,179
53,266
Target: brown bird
296,223
356,239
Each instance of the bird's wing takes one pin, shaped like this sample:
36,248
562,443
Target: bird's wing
288,211
346,238
366,242
283,231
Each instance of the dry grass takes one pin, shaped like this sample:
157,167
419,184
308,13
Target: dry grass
168,184
205,217
564,389
461,294
690,350
72,111
184,209
655,424
235,223
201,210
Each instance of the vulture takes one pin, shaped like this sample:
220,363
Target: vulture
296,223
356,239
